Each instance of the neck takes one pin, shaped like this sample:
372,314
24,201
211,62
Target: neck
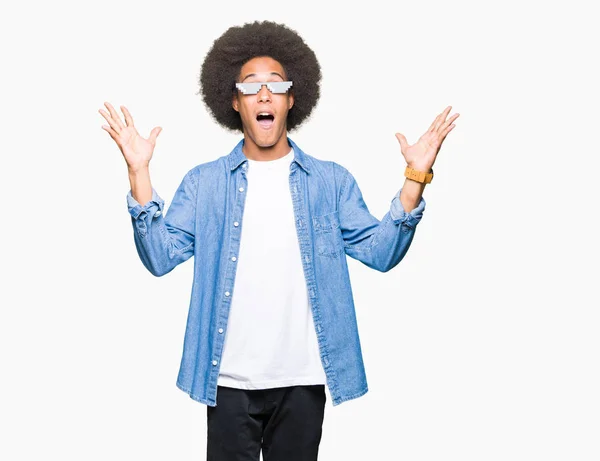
265,153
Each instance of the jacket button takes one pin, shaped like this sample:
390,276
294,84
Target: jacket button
233,258
227,293
241,189
236,224
214,362
220,330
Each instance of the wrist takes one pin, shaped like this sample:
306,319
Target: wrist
138,171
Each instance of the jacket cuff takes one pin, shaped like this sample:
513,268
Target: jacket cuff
399,216
154,207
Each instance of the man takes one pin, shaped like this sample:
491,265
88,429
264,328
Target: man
271,318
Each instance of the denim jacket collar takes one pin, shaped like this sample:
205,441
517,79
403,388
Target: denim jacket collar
237,157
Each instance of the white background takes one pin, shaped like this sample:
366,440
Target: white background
482,344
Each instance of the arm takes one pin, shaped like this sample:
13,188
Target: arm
141,186
164,241
411,194
378,244
382,245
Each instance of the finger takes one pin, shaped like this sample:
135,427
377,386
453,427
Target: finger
128,117
110,120
433,123
448,122
115,116
154,133
402,140
446,131
442,118
113,134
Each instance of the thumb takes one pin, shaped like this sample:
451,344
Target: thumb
154,133
402,140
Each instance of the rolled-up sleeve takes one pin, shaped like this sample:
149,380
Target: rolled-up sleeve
165,240
400,216
155,205
380,245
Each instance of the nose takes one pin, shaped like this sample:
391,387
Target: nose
264,94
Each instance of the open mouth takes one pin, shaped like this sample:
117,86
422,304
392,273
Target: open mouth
265,120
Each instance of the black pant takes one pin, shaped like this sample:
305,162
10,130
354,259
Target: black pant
286,422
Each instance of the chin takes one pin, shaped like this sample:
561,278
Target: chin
266,139
264,143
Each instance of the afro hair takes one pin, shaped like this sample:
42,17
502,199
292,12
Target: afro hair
239,44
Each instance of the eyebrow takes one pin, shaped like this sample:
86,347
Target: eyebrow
272,73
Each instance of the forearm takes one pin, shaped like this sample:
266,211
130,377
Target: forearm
411,193
141,187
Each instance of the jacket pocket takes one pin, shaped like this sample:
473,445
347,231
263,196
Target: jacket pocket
328,236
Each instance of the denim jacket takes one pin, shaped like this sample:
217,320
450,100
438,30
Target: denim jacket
205,220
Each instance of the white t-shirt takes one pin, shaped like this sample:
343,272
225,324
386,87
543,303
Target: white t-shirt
270,339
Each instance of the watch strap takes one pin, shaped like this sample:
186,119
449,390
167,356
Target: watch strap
419,176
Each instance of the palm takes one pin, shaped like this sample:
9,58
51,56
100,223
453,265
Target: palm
424,150
135,148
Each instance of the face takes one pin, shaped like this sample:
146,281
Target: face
263,132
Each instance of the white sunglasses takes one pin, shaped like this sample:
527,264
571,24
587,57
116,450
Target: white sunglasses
254,87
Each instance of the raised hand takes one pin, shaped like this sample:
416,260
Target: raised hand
421,155
136,150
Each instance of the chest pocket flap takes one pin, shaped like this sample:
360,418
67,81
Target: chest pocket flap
328,236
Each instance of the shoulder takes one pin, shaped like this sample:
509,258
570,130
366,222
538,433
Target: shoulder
207,169
328,168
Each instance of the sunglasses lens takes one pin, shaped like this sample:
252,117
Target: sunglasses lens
279,87
249,88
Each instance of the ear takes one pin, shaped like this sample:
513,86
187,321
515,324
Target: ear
290,100
234,102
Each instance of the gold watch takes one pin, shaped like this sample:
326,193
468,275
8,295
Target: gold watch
419,176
